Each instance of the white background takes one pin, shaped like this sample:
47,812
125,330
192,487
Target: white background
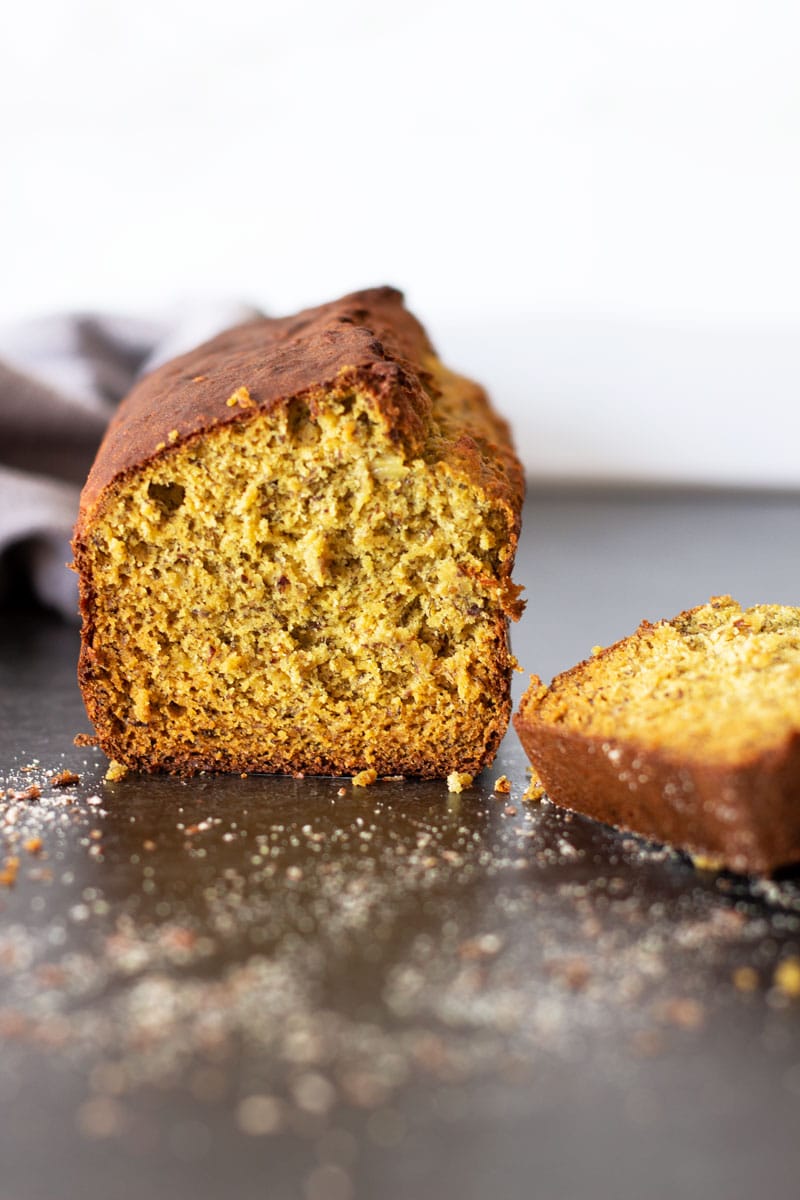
593,206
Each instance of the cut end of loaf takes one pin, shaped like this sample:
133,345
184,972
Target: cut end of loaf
717,682
299,591
687,732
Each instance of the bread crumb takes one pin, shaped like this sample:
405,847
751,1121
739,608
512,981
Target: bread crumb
115,771
535,790
458,780
64,779
241,397
365,778
787,977
34,845
173,435
30,793
502,785
597,650
707,862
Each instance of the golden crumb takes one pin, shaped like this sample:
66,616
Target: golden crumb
365,778
787,977
597,650
458,780
34,845
198,378
745,979
116,770
707,862
534,791
161,445
502,785
241,397
173,435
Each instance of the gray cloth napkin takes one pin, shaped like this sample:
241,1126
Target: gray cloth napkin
60,380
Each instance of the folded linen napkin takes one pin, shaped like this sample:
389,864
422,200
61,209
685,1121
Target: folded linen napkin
60,380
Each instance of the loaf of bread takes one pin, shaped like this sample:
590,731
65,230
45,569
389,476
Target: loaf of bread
687,732
295,551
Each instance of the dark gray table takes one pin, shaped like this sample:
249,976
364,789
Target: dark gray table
261,988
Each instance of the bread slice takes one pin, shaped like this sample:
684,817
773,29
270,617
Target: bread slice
687,732
295,551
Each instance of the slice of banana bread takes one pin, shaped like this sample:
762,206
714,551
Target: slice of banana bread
295,552
687,732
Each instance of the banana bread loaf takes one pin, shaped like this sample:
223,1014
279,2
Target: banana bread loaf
295,551
687,732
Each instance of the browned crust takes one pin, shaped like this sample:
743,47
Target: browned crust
746,816
369,340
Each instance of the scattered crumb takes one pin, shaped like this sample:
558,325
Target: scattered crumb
115,771
502,785
341,792
787,977
64,779
707,862
365,778
173,435
535,790
34,845
84,739
597,650
199,378
510,810
34,792
458,780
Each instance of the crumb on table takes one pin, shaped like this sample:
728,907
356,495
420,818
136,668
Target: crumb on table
365,778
